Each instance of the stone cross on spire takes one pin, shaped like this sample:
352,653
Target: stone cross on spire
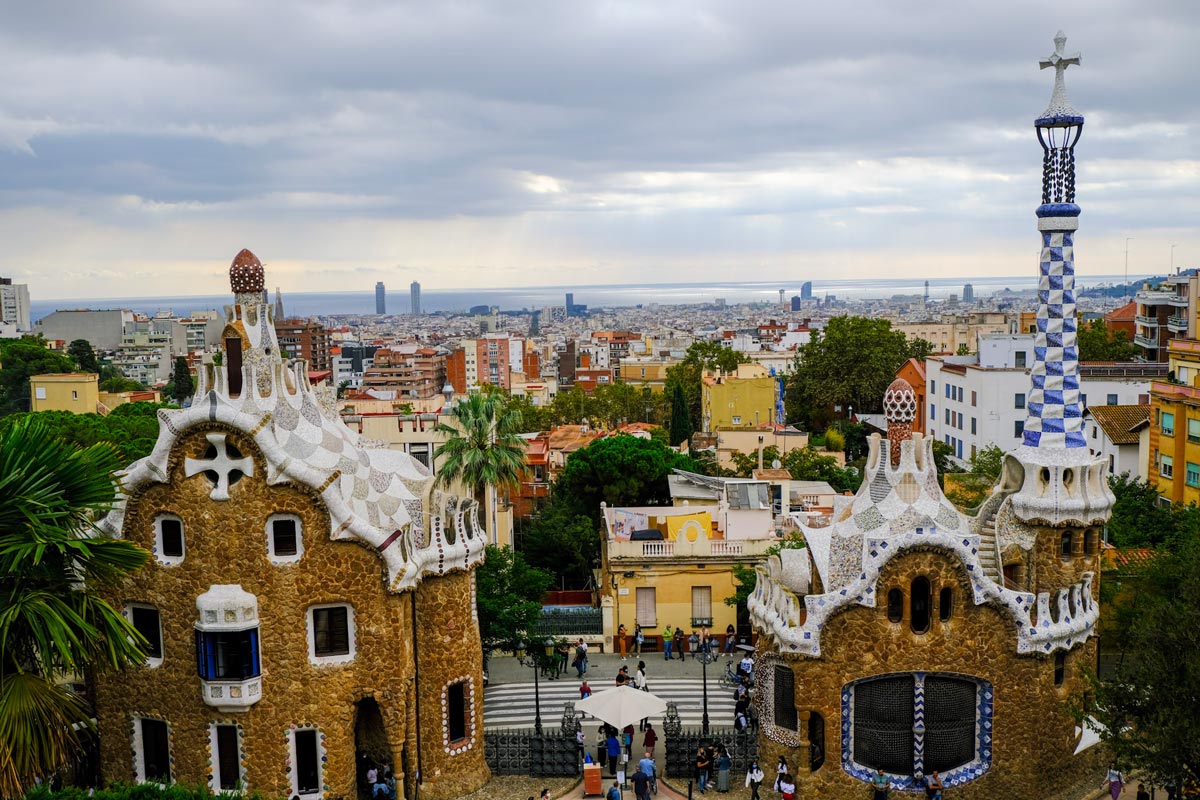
1059,105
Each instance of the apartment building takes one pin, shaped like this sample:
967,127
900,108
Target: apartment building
14,304
1166,311
980,400
953,331
744,398
305,339
1120,435
414,372
1173,460
487,359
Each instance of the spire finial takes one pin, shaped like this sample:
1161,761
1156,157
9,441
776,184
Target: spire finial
1060,109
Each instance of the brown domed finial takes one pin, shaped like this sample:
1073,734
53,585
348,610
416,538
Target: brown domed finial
900,410
246,273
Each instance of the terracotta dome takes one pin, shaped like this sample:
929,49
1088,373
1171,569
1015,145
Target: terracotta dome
900,402
246,273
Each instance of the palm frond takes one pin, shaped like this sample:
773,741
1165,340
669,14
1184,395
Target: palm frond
40,726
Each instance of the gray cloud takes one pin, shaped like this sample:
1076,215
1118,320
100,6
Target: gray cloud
476,137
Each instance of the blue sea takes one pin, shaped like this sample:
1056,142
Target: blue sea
594,296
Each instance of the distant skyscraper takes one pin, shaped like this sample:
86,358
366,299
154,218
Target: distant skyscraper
534,326
781,297
380,298
968,293
14,304
570,304
796,301
806,290
278,304
414,292
926,291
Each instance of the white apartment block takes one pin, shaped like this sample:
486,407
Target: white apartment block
14,305
977,401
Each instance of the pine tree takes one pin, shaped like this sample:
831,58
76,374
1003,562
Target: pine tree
81,350
681,420
181,381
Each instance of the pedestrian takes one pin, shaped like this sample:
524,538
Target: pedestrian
580,663
602,747
650,740
730,639
614,751
879,782
787,786
724,762
641,784
780,769
627,740
668,641
545,795
622,635
746,666
1115,781
703,766
639,683
585,691
933,786
1142,794
740,720
679,642
705,640
372,779
754,779
622,675
614,792
639,638
579,742
648,766
564,654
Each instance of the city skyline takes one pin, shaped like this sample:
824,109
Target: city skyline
599,144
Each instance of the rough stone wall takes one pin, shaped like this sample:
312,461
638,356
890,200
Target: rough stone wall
448,648
1051,571
1034,732
226,543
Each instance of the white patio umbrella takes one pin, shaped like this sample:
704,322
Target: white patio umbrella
622,705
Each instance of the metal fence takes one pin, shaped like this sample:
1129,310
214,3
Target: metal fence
683,743
550,754
570,621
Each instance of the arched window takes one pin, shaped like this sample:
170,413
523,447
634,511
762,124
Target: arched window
1065,545
945,603
895,605
785,698
1060,668
1089,541
918,605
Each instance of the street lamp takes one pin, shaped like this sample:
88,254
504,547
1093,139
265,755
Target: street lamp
531,660
706,656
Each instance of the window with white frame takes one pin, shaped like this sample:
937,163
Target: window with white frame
146,621
225,743
285,538
306,752
647,607
1166,466
701,606
168,539
151,750
331,634
1168,424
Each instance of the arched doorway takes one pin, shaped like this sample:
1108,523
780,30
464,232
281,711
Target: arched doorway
371,748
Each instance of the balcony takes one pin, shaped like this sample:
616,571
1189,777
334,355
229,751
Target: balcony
682,548
1177,301
232,696
1146,342
1177,324
1149,322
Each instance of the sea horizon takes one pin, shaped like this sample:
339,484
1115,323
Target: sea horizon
527,298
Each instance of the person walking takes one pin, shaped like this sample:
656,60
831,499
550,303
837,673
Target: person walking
754,779
627,740
724,762
668,642
650,740
639,683
780,769
879,783
602,746
641,784
787,786
679,642
614,792
585,691
622,641
614,751
639,638
580,663
730,639
703,768
1115,781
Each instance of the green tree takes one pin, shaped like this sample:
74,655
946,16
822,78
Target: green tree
180,387
1097,343
809,464
688,373
744,464
113,380
621,471
972,486
681,420
849,363
484,451
509,596
21,359
562,541
85,358
53,623
1149,707
131,428
1139,517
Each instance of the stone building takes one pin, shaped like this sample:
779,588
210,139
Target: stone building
310,600
909,637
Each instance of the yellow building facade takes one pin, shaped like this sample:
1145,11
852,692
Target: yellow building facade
78,392
742,399
1174,451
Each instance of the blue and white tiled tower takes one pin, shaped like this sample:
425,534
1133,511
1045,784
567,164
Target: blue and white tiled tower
1062,481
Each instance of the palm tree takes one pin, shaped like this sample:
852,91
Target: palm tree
53,623
484,450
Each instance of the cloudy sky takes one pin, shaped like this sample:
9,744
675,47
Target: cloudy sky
461,143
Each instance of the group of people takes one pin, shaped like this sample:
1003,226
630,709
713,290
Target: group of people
700,641
710,760
615,747
381,784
